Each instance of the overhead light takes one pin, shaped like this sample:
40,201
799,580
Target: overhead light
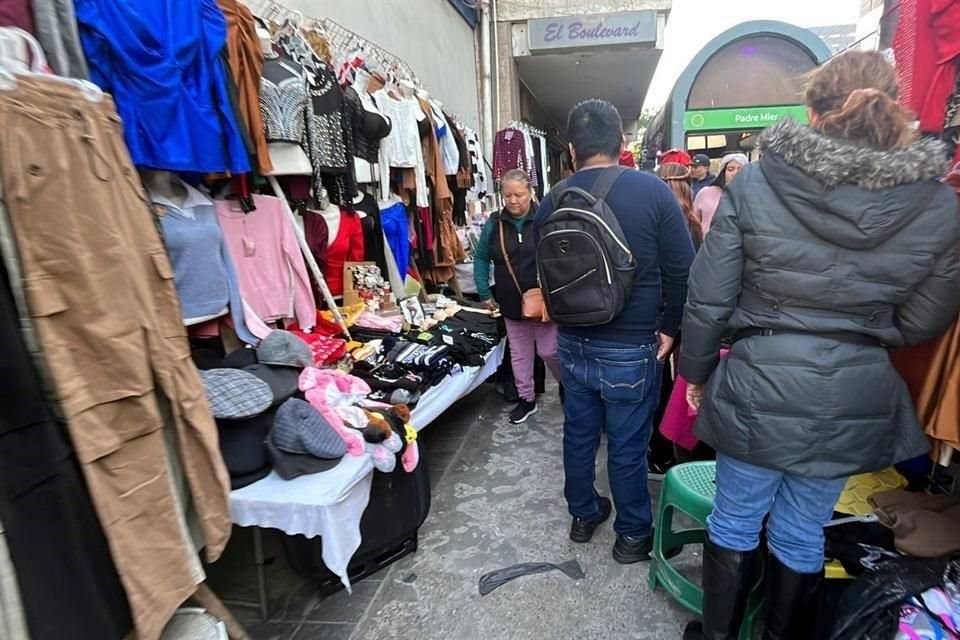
577,61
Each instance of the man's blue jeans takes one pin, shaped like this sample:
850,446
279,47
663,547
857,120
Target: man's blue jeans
613,387
798,508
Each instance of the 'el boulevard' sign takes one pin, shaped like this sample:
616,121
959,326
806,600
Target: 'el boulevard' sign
635,27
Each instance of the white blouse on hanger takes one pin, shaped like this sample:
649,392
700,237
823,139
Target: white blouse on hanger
402,147
448,145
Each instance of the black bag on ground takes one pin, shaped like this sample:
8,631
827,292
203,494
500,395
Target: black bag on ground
584,264
399,504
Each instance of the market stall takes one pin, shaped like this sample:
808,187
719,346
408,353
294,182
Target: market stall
330,504
264,326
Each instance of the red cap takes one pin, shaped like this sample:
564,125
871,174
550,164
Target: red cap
627,159
675,155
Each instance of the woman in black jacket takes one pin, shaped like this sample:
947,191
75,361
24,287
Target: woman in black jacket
838,243
507,241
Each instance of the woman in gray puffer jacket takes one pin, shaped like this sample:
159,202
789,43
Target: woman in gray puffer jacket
838,243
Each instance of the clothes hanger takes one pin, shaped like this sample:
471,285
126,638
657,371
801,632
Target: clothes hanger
13,39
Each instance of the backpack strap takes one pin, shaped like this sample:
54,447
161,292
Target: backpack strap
608,178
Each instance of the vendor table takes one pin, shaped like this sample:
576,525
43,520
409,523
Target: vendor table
331,504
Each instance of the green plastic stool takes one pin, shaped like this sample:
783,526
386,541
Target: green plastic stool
690,489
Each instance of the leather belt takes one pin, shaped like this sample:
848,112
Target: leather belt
848,337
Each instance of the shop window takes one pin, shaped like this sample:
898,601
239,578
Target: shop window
716,142
753,72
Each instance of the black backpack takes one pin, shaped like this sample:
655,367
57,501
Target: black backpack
585,266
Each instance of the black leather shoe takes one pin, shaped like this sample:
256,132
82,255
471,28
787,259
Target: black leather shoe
582,530
632,549
728,577
788,600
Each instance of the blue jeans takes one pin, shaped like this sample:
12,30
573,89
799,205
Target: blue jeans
613,387
798,508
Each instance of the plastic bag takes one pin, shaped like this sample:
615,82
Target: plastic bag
870,608
500,577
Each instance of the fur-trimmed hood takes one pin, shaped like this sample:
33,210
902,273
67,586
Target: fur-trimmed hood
834,162
851,195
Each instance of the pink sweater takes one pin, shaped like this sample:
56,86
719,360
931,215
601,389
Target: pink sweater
272,274
706,205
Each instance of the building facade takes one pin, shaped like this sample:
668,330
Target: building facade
553,53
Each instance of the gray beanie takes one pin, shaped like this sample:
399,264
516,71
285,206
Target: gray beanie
284,349
299,428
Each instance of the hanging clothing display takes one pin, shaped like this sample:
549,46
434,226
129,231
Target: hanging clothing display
327,142
318,239
932,372
373,239
51,529
509,152
459,211
532,162
108,321
369,125
401,148
246,68
285,109
204,275
161,63
396,228
330,143
544,166
448,145
480,181
272,274
116,482
927,50
346,246
56,29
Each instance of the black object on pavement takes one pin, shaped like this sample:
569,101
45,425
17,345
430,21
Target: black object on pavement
495,579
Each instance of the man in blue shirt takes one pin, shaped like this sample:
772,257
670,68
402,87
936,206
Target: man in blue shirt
611,373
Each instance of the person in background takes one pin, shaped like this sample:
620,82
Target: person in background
706,201
627,159
700,172
838,244
611,372
679,156
516,272
678,179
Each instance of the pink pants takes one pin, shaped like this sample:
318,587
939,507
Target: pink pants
529,338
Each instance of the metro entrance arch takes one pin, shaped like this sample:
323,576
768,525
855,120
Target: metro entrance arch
743,81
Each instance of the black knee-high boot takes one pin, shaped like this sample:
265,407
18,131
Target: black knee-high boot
727,579
788,599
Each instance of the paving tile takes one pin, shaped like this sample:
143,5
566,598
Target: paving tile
323,631
343,607
271,630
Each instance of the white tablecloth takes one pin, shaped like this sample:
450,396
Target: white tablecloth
330,504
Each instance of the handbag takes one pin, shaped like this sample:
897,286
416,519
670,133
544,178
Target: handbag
532,307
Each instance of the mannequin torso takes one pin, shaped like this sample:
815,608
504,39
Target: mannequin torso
331,215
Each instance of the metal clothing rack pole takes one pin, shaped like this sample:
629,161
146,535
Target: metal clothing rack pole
308,256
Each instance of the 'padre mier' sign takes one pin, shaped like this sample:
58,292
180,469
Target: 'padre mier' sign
635,27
